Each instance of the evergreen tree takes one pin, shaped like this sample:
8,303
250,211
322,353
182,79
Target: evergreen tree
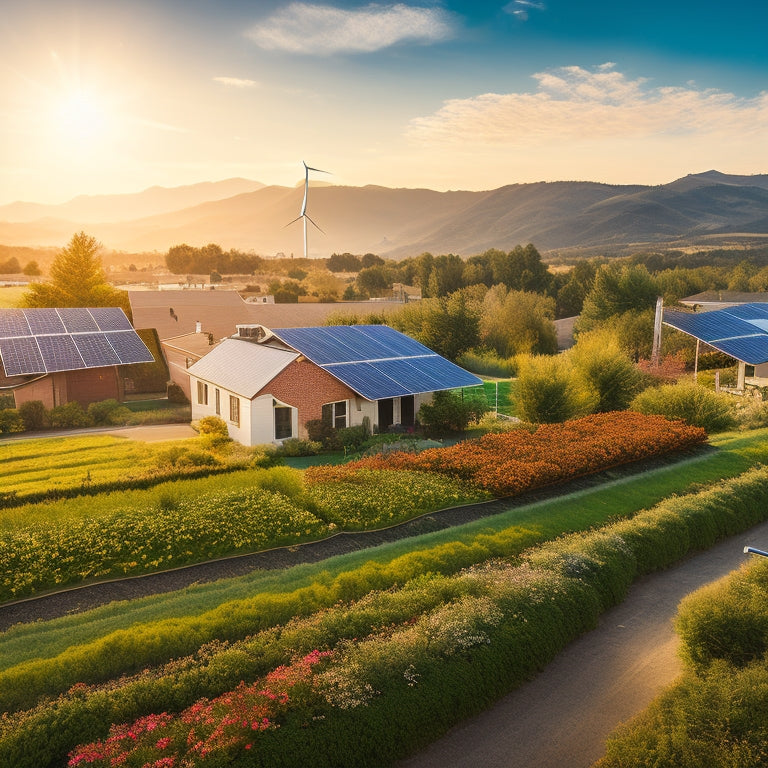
77,280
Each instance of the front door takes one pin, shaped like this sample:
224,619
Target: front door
406,411
386,414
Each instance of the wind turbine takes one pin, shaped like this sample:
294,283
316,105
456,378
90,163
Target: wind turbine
304,215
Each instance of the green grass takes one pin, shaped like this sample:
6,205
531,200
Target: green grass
531,523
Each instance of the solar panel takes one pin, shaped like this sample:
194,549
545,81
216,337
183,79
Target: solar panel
13,323
59,353
365,379
95,349
110,319
129,347
44,321
78,320
21,355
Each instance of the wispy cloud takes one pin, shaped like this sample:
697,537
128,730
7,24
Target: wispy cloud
325,30
520,9
236,82
573,103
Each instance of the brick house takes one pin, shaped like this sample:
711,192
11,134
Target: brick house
267,384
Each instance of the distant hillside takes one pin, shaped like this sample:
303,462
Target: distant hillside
555,216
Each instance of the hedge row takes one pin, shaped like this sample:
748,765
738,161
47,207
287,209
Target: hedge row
453,657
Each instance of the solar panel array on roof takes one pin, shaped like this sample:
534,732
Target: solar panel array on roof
34,341
376,361
740,331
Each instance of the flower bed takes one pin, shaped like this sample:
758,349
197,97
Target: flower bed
513,462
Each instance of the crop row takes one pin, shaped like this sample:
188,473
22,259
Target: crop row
110,540
512,462
396,668
405,663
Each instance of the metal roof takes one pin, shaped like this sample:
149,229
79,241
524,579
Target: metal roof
376,361
739,331
37,341
242,367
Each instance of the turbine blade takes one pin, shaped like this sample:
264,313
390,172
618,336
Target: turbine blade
295,220
317,170
307,216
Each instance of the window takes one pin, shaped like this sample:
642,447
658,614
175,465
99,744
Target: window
234,410
202,393
218,402
283,422
335,414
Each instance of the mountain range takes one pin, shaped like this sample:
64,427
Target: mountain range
556,216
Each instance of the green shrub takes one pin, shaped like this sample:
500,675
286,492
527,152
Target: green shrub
284,480
296,447
726,620
68,416
33,414
214,426
549,390
697,405
10,421
108,412
175,394
452,412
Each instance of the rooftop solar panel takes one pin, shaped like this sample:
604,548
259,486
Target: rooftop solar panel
78,320
367,380
21,355
95,349
59,353
44,321
129,347
13,323
110,319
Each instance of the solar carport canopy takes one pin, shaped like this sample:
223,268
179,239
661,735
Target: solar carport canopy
37,341
740,331
376,361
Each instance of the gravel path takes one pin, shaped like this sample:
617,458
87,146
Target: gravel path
83,598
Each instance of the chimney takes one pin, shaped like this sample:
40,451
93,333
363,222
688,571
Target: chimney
198,327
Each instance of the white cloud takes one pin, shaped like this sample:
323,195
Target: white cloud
324,30
573,104
520,8
236,82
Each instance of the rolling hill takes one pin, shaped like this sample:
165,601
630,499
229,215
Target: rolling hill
402,222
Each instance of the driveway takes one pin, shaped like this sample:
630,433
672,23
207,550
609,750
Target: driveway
150,433
562,717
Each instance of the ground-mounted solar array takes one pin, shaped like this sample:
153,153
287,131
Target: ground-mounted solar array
740,331
376,361
37,341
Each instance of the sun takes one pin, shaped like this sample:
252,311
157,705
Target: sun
79,117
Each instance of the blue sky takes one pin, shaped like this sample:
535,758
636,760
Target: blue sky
103,96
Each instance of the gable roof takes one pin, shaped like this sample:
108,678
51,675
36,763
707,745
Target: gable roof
740,331
241,366
46,340
376,361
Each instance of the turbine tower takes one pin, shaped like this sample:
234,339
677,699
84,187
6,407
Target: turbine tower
304,215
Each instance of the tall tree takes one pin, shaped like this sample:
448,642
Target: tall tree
77,280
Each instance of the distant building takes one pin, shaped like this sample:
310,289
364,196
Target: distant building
707,301
267,384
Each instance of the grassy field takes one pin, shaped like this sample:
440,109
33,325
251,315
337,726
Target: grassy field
10,296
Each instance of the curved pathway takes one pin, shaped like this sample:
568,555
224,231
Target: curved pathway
562,717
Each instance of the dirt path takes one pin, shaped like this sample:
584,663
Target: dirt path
562,717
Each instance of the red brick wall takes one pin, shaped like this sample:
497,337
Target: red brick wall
91,385
307,387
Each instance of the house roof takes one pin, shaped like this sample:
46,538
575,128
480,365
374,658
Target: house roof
376,361
220,311
242,367
39,341
740,331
